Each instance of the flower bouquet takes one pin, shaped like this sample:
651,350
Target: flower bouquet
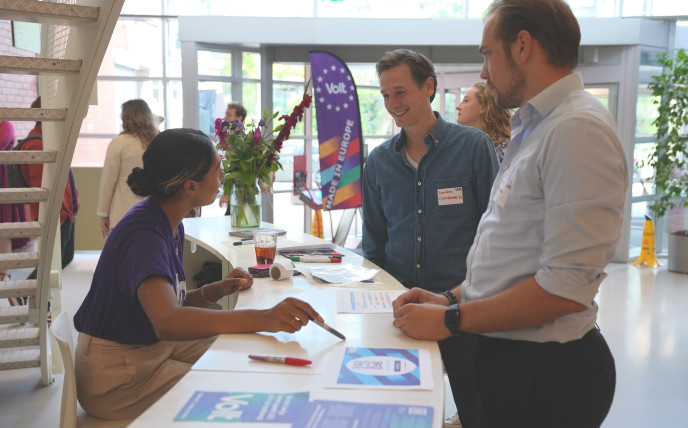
250,152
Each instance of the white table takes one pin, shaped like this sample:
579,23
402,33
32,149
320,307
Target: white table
226,367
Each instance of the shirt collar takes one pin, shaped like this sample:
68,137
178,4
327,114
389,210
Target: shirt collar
433,137
547,100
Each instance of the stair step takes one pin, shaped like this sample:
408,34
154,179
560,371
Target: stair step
33,114
23,195
20,229
31,65
14,314
19,335
19,260
20,288
21,358
47,12
27,156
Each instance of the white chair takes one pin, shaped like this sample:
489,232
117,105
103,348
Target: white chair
71,415
61,329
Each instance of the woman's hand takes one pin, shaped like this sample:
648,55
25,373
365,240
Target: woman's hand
105,226
289,315
237,280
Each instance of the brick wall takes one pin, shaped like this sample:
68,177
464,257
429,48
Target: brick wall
16,90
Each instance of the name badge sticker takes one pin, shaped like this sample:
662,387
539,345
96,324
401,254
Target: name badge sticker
450,196
502,193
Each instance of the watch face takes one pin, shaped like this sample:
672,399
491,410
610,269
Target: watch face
452,319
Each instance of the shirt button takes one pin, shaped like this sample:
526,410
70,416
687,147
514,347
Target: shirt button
419,183
418,266
419,239
420,211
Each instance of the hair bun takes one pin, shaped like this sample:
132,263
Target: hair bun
139,183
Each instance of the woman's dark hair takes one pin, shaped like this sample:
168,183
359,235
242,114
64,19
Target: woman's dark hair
420,65
172,157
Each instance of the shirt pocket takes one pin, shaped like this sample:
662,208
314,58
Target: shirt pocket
450,197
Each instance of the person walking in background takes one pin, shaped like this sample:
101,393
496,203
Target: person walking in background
33,175
552,226
10,213
124,153
479,110
424,191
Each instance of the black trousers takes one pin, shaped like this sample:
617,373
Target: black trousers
458,356
67,237
528,384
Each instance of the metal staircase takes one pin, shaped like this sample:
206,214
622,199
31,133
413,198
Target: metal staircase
74,38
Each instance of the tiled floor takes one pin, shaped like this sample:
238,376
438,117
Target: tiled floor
643,315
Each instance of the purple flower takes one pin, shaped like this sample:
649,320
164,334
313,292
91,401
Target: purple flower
261,123
256,136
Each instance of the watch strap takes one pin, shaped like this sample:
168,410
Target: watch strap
452,319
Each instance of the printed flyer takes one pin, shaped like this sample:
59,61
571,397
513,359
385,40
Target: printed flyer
214,406
328,414
380,368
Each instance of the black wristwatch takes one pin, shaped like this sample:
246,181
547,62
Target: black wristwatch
452,319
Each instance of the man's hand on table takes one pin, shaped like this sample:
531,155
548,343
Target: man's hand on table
420,314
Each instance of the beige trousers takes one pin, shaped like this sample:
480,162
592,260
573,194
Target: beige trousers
117,382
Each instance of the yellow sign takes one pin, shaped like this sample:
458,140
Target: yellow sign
647,250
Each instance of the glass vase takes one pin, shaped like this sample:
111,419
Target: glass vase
244,201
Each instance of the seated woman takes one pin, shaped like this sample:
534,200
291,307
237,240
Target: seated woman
140,330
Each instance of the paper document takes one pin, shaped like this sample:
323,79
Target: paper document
379,368
328,414
366,301
218,406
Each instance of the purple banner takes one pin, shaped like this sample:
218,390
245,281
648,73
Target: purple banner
339,131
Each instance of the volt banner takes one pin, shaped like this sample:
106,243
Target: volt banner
339,131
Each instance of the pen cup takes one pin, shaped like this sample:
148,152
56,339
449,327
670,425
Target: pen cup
265,243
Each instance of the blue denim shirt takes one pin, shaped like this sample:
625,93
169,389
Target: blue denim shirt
406,230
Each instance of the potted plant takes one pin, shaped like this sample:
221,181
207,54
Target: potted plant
670,156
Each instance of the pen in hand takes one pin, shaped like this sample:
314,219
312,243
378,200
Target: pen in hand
281,360
327,327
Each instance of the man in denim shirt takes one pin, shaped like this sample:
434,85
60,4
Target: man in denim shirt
424,192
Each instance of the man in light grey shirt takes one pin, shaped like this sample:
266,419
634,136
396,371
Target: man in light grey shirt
551,227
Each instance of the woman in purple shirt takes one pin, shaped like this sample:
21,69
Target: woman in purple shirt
140,329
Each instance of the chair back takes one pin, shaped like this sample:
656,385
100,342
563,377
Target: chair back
61,329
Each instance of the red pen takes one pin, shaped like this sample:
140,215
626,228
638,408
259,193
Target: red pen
281,360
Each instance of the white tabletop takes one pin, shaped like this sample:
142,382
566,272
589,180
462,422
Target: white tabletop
226,366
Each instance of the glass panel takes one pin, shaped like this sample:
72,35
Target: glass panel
173,52
374,116
90,151
450,106
284,97
642,184
365,75
645,112
142,7
250,65
126,55
293,72
265,8
371,143
250,98
212,63
175,106
601,93
284,178
104,118
213,98
401,9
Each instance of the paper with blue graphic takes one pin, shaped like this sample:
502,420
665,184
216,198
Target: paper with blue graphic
328,414
379,368
214,406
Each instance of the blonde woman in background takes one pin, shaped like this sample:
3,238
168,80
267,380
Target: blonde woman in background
125,152
479,110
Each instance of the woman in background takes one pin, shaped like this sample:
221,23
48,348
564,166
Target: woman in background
479,110
10,213
140,329
124,153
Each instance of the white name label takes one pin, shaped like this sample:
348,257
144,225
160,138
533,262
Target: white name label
450,196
